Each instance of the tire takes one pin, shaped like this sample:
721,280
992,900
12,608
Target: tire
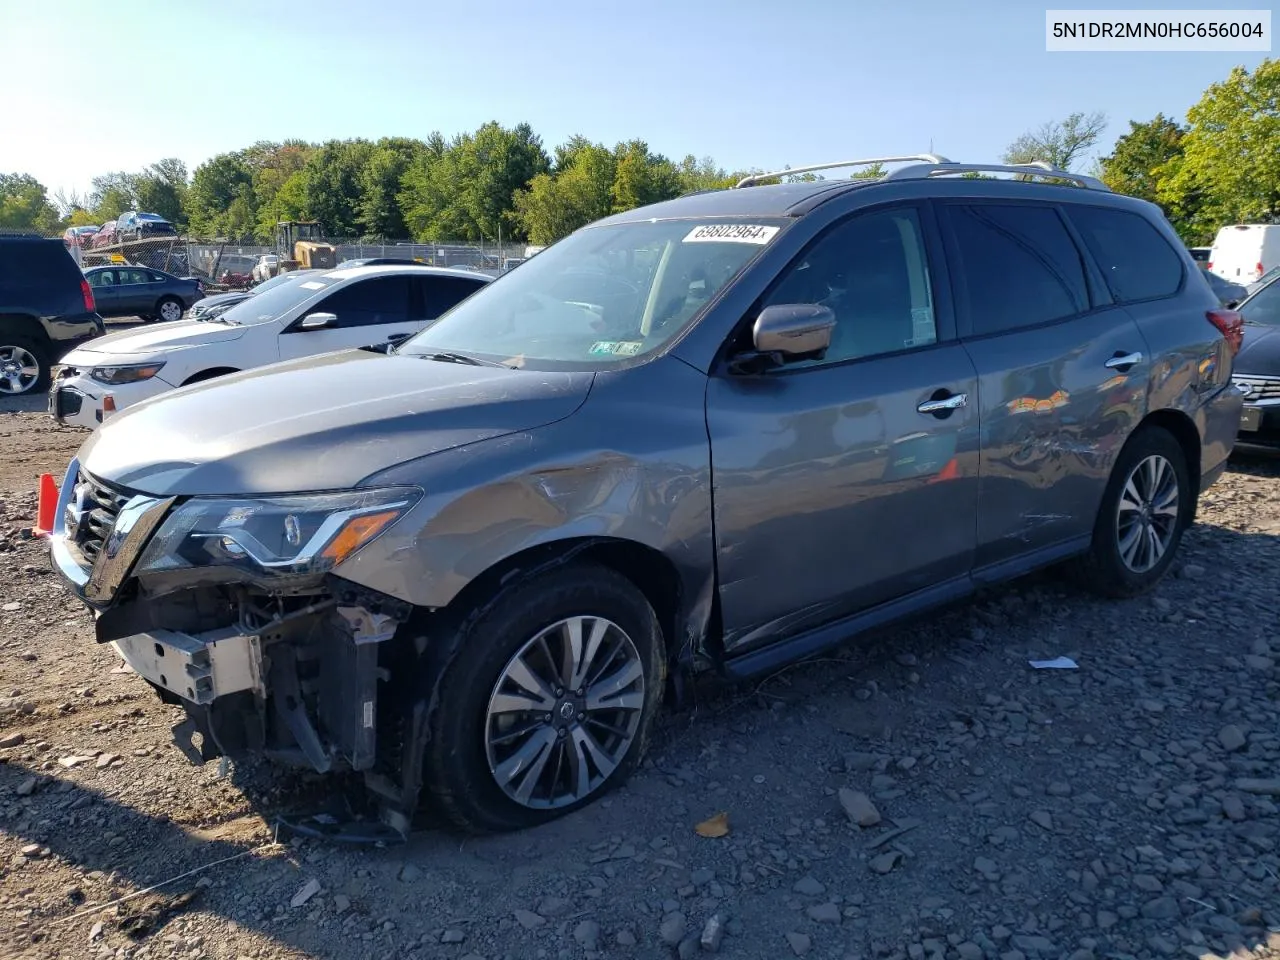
1108,568
169,309
19,356
479,699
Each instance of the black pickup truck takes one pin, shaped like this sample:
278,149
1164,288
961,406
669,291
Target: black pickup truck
46,308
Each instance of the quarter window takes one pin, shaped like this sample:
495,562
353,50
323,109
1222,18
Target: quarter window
1017,266
872,272
1137,262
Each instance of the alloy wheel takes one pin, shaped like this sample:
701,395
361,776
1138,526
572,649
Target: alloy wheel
19,370
170,311
564,712
1147,514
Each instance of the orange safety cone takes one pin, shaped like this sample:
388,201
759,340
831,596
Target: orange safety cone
48,505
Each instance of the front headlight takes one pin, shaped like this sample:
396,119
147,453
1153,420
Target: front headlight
278,536
127,372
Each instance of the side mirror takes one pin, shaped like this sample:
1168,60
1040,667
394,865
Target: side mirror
316,321
786,333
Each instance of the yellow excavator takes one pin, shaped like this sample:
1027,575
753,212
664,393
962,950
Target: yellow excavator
300,246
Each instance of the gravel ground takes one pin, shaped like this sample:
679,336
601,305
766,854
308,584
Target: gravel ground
923,794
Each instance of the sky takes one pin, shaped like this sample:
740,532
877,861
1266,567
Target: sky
91,87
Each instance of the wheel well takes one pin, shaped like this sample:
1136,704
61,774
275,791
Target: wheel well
209,374
25,326
653,574
1188,437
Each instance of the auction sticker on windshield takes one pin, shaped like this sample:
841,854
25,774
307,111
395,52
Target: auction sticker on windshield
731,233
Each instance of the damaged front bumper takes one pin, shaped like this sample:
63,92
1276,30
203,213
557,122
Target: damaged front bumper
296,665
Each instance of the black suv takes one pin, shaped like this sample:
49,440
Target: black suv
46,308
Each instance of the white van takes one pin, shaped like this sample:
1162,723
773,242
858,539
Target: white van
1243,252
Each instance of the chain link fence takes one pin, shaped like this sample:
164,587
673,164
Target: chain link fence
225,265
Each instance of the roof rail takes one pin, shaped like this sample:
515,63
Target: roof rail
1034,168
928,158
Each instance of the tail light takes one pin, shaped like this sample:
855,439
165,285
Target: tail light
1231,325
87,292
1260,271
1209,264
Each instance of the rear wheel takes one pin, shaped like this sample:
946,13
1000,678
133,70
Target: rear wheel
24,365
549,702
169,309
1144,511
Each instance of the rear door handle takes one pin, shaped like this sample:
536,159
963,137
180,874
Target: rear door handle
953,402
1122,360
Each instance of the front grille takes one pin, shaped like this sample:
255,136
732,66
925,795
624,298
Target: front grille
92,514
1258,388
68,403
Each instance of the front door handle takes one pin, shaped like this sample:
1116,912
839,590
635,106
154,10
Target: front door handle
1122,361
953,402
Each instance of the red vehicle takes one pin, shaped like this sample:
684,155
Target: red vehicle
106,235
78,236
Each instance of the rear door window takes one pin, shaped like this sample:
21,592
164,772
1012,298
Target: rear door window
1137,262
368,303
103,278
1016,266
29,264
440,294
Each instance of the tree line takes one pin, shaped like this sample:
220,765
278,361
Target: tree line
1222,165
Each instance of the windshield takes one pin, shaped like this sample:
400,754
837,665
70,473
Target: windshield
599,297
266,305
280,279
1264,306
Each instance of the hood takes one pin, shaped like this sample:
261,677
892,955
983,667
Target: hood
214,299
1259,355
320,423
154,338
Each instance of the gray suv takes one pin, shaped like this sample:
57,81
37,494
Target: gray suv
724,431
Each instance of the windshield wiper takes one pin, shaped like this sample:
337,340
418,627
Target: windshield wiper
461,358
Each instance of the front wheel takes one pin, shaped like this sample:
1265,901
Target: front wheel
549,702
1144,511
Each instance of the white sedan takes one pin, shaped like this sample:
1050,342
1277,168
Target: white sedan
316,313
265,268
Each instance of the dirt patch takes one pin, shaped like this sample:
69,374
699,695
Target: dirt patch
1124,809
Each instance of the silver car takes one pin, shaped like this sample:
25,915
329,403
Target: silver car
718,433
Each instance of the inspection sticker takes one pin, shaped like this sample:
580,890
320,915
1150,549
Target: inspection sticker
616,348
731,233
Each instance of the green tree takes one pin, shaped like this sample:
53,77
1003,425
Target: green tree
381,181
581,191
696,175
111,195
220,202
1229,167
333,187
1061,144
467,190
279,184
161,189
1136,161
642,177
25,205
